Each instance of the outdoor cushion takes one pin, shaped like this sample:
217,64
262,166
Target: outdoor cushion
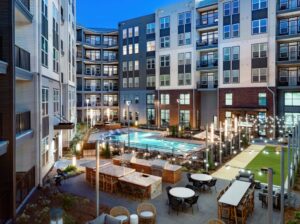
99,220
147,214
111,220
121,217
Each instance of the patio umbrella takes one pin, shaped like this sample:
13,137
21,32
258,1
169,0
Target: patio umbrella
202,136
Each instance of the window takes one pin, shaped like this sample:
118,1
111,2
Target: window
184,79
44,46
292,99
56,101
124,33
235,75
150,81
235,30
136,82
151,116
228,99
235,7
226,32
165,61
125,50
136,31
259,50
209,17
124,66
136,100
262,99
164,99
55,38
164,80
136,48
130,82
130,66
184,99
226,7
150,28
45,151
150,45
165,22
231,75
124,82
184,18
150,99
184,117
226,54
226,76
45,99
259,26
259,75
150,63
165,118
136,65
259,4
129,32
235,53
130,50
165,42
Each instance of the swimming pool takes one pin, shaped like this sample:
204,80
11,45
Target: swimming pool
154,141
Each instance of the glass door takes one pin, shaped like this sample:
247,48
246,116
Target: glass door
293,78
293,52
210,79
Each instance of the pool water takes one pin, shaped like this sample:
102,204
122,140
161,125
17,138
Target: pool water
154,141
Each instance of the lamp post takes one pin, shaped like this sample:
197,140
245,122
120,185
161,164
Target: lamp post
87,117
97,177
128,102
220,143
178,102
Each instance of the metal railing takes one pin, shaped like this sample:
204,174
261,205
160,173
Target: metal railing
203,43
200,24
22,58
23,122
207,84
207,63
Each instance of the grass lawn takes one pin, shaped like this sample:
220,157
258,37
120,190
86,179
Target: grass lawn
270,160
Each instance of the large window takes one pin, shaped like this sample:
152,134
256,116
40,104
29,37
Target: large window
130,49
164,22
226,33
150,28
55,38
291,119
184,99
150,99
259,75
231,75
164,99
44,46
150,63
165,42
184,78
226,9
259,50
124,33
292,99
125,50
235,7
165,118
136,48
125,83
151,45
164,80
136,65
209,17
150,81
92,39
45,103
259,26
136,31
184,18
56,101
151,116
165,61
184,117
262,99
259,4
45,151
228,99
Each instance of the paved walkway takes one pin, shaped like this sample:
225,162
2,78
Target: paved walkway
229,170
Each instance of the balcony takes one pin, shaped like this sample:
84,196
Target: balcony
111,103
22,62
203,45
110,59
23,13
289,59
23,125
110,88
206,26
92,104
92,88
207,64
288,31
289,81
207,85
110,44
288,7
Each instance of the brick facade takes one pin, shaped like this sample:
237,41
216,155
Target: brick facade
193,107
245,101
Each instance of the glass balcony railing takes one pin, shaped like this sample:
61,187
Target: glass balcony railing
206,23
207,63
206,43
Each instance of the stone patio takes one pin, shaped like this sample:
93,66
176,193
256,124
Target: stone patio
207,203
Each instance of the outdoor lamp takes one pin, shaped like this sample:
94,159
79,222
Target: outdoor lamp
74,161
78,147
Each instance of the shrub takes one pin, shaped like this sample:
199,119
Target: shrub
106,151
70,168
297,215
68,202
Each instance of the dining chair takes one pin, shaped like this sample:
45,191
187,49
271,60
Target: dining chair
241,212
192,201
212,183
175,204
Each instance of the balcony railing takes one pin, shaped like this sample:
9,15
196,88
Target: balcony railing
288,5
206,44
26,3
110,59
200,24
207,63
289,30
114,88
22,58
207,84
114,103
289,80
92,104
92,88
23,122
289,57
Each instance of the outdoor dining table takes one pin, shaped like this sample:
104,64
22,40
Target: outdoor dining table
234,194
182,192
201,177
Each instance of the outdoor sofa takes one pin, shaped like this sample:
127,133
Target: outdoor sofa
105,219
245,176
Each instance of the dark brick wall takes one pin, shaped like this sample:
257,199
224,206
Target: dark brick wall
173,106
245,100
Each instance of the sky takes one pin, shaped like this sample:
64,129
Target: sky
107,13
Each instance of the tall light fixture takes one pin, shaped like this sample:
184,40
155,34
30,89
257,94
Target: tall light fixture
128,102
87,109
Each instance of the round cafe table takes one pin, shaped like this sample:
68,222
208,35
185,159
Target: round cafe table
182,192
201,177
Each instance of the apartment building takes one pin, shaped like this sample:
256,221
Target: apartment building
31,120
176,81
288,60
137,70
97,75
